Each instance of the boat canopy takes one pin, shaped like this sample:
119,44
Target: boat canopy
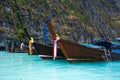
105,44
117,39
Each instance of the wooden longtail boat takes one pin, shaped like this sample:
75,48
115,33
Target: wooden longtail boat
45,51
75,52
13,47
2,48
2,45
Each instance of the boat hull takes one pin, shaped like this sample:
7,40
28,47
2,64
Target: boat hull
2,48
45,51
76,52
50,57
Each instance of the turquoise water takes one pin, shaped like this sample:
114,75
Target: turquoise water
21,66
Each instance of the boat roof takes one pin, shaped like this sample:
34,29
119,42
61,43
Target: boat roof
105,44
117,39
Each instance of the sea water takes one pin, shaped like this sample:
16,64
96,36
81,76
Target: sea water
21,66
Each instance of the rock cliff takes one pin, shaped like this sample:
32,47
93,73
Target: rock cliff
80,21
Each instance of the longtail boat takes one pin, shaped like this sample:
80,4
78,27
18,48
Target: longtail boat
45,51
13,47
2,45
2,48
76,52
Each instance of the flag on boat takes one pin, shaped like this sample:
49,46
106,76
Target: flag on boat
45,32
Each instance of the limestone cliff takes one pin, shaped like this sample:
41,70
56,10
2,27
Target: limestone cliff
75,20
